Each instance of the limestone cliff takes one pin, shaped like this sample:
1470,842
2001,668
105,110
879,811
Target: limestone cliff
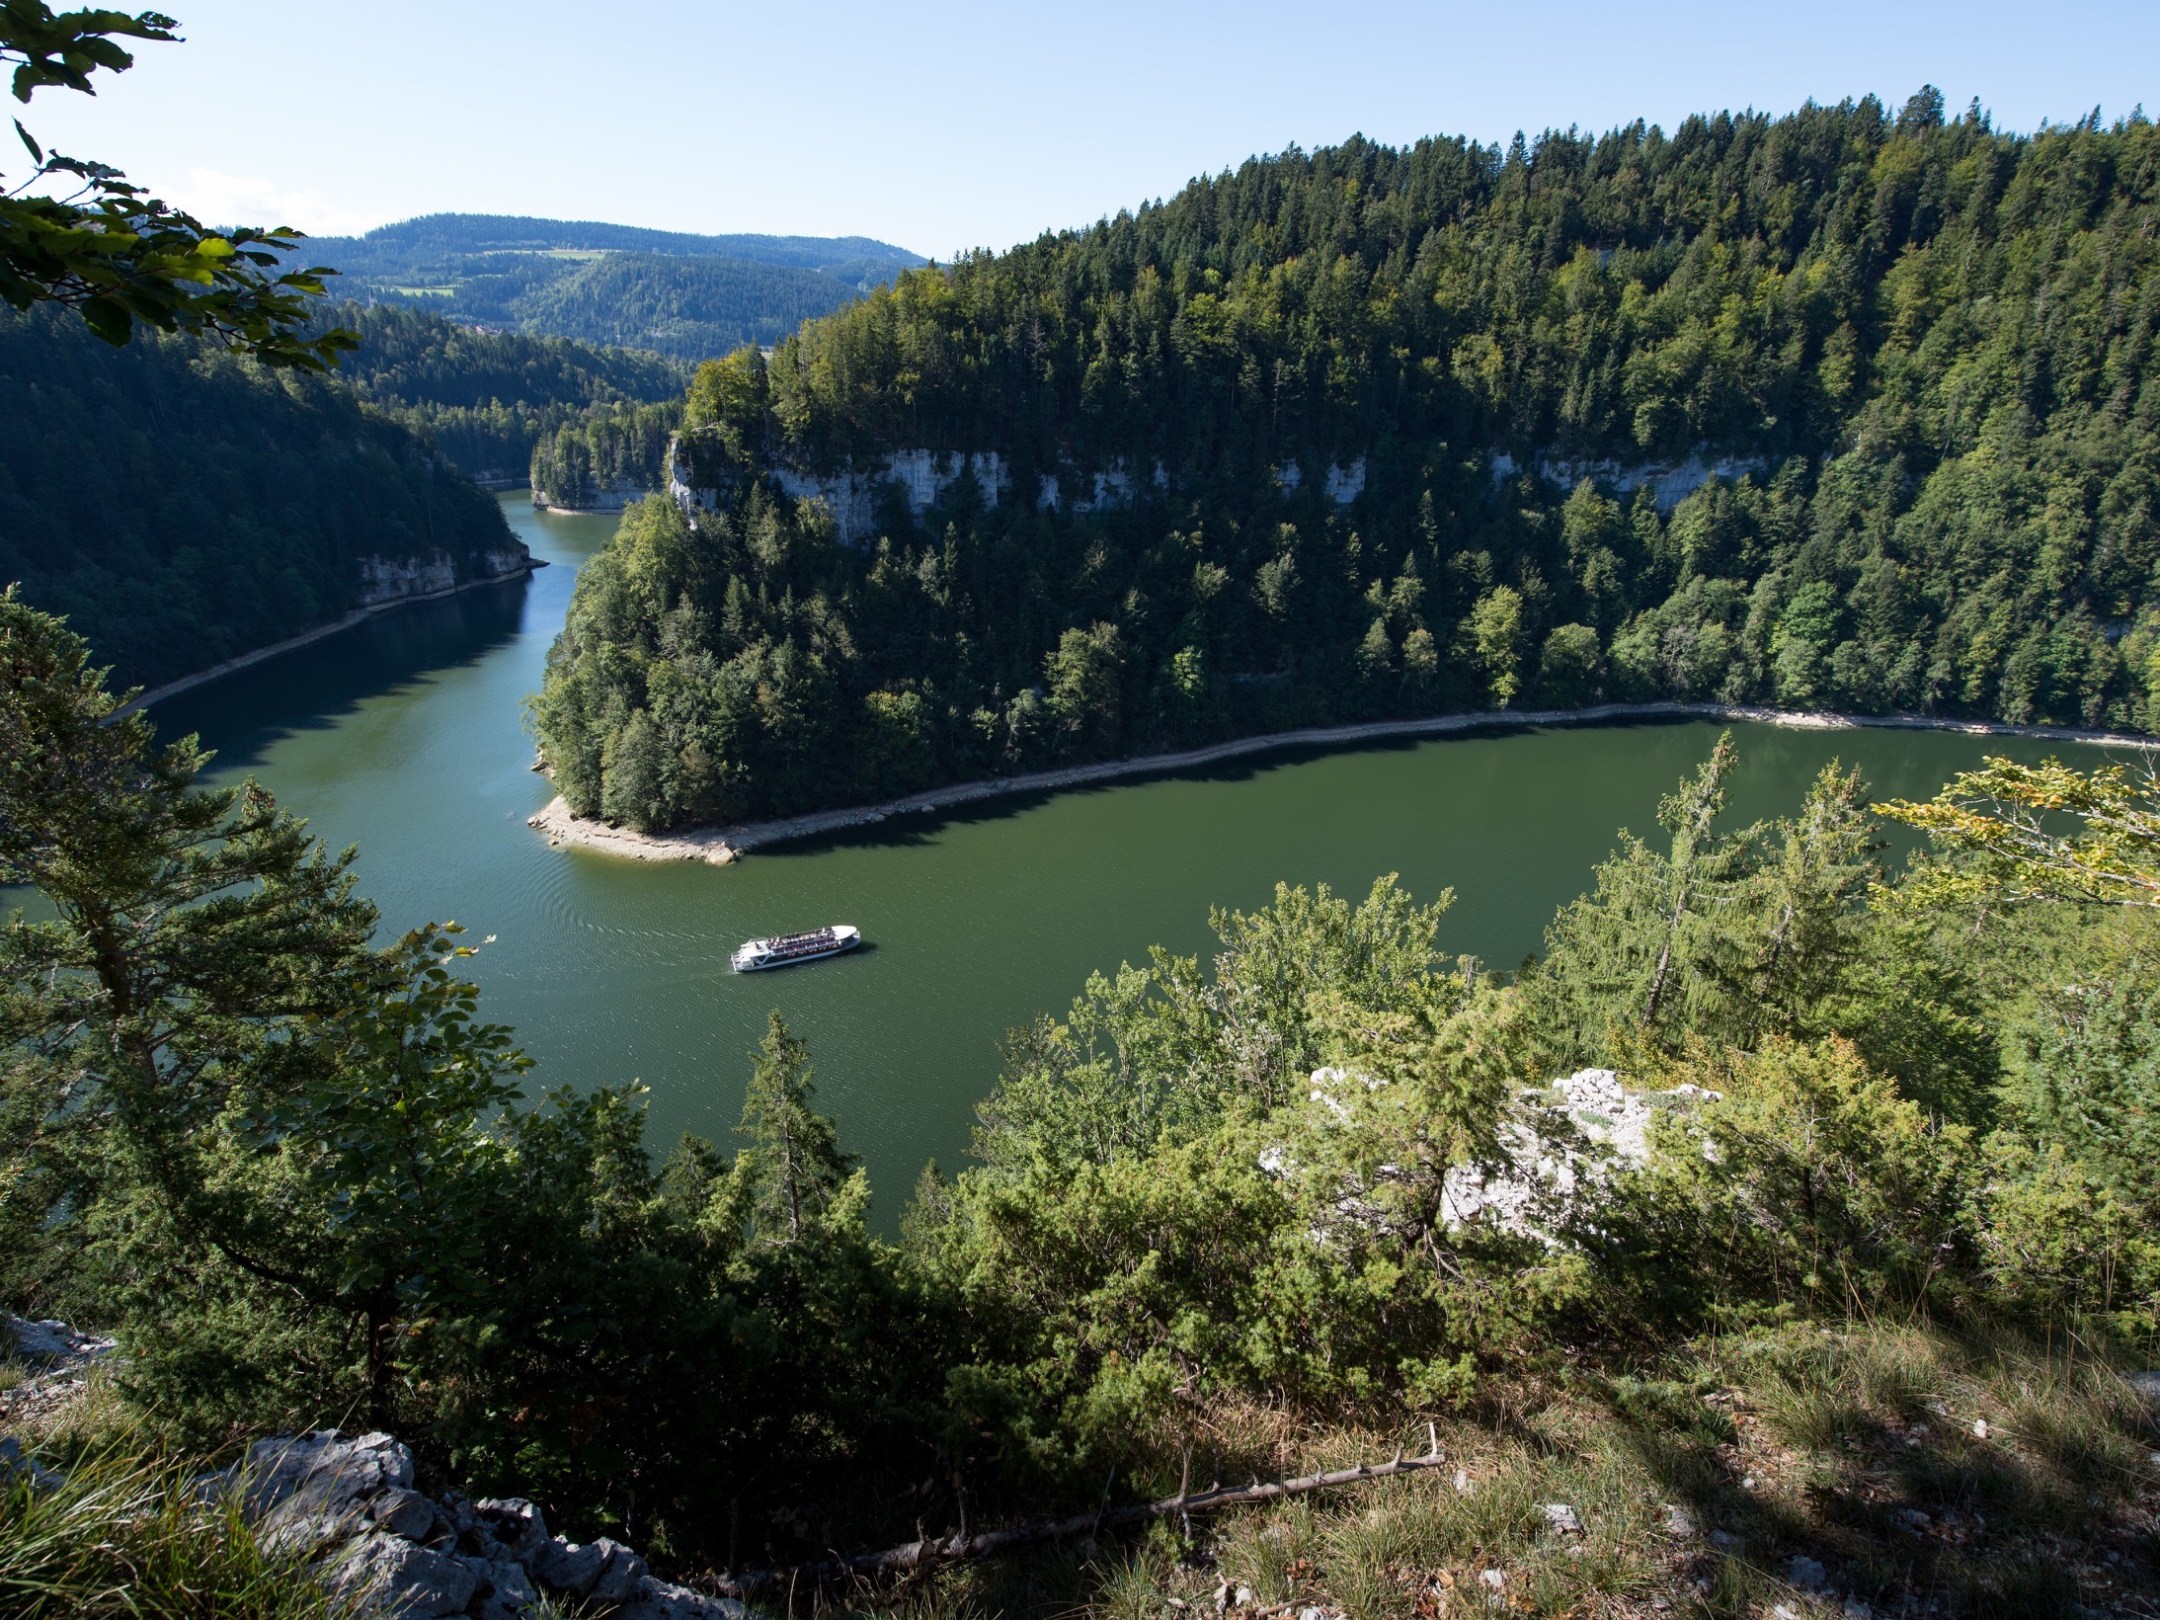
614,497
923,477
387,580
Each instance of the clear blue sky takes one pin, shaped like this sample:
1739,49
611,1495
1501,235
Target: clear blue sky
942,125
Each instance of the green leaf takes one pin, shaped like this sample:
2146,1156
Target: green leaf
109,319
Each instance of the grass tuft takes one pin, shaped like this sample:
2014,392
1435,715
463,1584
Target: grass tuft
124,1538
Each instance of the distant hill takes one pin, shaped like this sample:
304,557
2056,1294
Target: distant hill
676,294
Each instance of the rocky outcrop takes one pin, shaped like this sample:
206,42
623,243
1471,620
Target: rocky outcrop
60,1359
1111,489
922,477
1563,1140
349,1502
617,497
386,581
1669,482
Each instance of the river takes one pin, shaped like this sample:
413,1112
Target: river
404,735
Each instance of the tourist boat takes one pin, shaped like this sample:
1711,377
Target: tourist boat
755,955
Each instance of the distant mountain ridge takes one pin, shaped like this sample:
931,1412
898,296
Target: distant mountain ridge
522,233
674,293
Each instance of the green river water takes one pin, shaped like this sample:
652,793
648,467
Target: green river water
404,736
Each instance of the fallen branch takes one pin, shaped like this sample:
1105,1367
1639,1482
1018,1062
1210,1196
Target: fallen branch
923,1553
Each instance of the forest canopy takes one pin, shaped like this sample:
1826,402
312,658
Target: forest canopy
1847,409
182,505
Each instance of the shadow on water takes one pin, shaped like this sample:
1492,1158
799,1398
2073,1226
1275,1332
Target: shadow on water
915,829
317,687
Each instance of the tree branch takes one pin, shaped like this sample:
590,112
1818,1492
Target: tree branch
922,1554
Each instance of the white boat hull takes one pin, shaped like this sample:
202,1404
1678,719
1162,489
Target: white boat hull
759,956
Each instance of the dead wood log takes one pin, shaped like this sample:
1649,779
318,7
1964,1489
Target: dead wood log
923,1553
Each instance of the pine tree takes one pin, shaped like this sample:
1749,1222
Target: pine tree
1811,894
1653,951
793,1165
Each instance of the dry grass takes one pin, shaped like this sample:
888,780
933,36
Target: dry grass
1697,1487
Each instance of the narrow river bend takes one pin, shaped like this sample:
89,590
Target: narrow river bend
405,736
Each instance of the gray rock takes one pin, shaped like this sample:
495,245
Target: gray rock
403,1513
571,1570
323,1473
16,1463
657,1600
1806,1573
514,1524
400,1581
620,1577
53,1343
1561,1519
2146,1385
507,1592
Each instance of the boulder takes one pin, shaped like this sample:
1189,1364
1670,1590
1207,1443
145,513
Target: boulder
52,1343
321,1472
313,1489
506,1591
15,1463
658,1600
403,1513
570,1570
510,1523
398,1580
622,1575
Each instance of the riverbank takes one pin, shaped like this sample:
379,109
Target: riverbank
321,632
719,846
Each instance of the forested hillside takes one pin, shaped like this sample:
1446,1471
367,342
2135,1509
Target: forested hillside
183,506
677,294
1371,432
488,400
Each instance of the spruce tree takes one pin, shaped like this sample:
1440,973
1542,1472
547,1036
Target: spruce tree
1652,952
793,1165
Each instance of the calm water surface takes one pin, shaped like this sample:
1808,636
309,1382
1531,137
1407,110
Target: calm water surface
405,736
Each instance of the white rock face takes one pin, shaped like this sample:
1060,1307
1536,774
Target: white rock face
1341,485
607,498
399,579
1576,1132
1345,484
923,477
384,580
400,1580
1669,483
